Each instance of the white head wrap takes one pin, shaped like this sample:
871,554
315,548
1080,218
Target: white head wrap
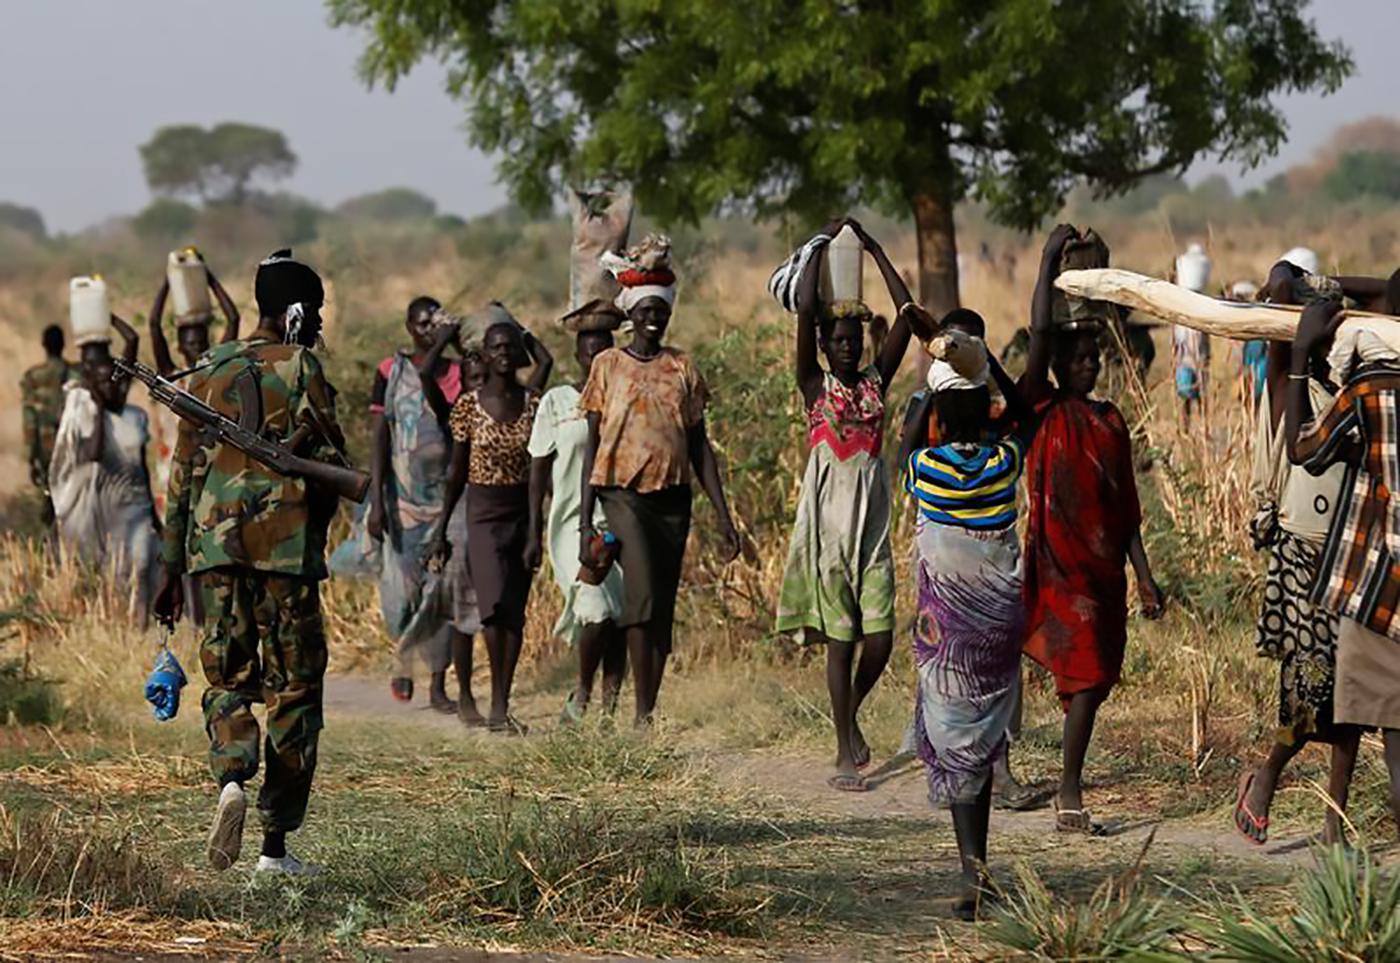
1305,259
960,362
629,298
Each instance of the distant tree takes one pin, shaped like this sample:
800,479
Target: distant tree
1365,173
812,107
26,220
215,164
391,204
165,219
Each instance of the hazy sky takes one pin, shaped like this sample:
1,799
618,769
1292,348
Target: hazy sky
87,81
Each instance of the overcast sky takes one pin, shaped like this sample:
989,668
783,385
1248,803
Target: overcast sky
86,81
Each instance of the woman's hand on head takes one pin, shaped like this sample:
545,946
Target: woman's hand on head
1055,245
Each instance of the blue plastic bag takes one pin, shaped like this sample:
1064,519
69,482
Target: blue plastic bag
163,686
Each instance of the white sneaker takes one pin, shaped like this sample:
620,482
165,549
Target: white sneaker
226,836
288,865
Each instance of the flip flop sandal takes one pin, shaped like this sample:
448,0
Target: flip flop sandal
845,782
509,726
1076,821
401,689
1024,799
1245,820
572,714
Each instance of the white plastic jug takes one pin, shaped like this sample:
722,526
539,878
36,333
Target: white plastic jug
89,315
1193,269
189,286
845,257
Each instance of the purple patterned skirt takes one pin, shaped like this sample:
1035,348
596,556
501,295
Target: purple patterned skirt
967,646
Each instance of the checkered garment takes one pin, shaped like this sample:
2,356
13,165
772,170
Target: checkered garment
1358,575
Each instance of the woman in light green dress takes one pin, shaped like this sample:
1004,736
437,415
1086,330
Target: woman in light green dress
557,444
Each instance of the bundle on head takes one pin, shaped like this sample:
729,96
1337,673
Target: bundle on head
596,315
1087,250
643,271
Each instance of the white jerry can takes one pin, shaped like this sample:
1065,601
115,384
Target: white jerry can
189,286
845,257
89,315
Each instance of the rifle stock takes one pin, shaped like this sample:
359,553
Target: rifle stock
345,482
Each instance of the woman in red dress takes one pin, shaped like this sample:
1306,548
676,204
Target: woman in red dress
1084,527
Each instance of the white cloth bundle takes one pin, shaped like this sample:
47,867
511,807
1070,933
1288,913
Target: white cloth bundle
1357,344
960,362
782,283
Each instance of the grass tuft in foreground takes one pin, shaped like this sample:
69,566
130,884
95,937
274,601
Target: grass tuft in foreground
1345,910
1120,921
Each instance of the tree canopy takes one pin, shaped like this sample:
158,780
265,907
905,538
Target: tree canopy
806,108
219,163
26,220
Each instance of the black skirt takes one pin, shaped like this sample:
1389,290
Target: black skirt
498,521
653,528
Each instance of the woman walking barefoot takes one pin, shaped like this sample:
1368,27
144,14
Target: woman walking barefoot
490,459
838,587
646,437
588,618
1084,527
970,622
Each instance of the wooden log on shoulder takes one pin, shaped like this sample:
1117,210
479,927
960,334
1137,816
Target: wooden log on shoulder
1239,320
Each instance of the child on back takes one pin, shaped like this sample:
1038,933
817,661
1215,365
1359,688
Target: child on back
838,586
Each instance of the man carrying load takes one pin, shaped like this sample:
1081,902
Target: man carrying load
257,540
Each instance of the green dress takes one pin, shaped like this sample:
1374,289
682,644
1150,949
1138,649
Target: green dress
839,579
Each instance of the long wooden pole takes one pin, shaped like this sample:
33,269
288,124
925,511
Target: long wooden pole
1242,321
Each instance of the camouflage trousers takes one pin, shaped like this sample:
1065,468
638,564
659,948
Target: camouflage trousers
265,643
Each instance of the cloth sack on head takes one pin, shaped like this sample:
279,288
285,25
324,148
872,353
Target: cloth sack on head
643,271
782,283
1302,258
601,221
959,362
475,325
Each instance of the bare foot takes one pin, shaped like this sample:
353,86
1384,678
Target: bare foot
469,714
860,749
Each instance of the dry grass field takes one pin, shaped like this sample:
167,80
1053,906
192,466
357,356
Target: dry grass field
712,836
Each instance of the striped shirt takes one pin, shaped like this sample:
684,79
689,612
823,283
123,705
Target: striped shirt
1358,576
971,487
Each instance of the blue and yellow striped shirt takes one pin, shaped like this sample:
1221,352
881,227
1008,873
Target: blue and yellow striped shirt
971,488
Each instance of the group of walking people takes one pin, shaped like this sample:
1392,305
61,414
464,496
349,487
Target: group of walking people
477,476
466,455
982,599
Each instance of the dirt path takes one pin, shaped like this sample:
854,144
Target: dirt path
899,790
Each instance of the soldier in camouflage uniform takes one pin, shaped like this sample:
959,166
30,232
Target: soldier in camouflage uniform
41,394
257,541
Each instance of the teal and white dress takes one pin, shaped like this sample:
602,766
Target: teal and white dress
561,430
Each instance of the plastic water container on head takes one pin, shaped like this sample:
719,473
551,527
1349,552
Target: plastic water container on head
1193,269
845,257
89,315
189,286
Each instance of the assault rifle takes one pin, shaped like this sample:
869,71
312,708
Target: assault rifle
246,433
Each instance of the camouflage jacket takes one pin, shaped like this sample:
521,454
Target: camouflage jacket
41,393
223,509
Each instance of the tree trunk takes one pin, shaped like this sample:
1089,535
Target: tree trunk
938,253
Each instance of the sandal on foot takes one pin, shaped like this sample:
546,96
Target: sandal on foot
509,726
401,688
1020,799
1076,821
573,712
848,782
1250,826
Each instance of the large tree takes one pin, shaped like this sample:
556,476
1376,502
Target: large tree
217,163
810,106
